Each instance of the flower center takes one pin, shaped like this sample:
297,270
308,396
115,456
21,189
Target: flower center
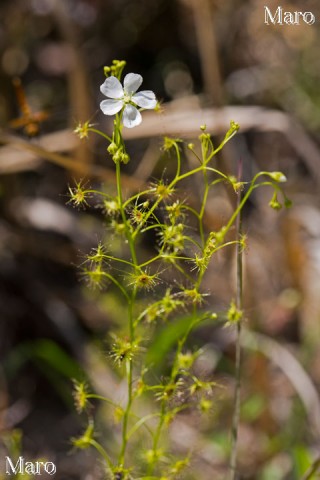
127,97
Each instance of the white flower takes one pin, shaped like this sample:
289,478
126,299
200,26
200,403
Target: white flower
126,97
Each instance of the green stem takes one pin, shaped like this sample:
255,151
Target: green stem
119,260
222,144
123,215
314,468
176,146
171,185
161,256
252,187
141,422
102,452
203,206
110,277
173,375
239,306
125,436
134,197
103,399
130,239
94,130
157,435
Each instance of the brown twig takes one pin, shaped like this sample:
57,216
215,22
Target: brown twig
208,50
185,123
67,162
81,105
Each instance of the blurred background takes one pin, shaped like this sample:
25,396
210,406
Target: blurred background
209,62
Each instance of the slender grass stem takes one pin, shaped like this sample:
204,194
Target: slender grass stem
239,306
314,468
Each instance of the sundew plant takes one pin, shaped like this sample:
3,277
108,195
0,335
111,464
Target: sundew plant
159,286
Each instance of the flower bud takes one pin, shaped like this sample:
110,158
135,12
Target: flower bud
112,149
106,71
117,157
125,158
278,177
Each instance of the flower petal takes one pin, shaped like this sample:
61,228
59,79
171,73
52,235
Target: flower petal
145,99
112,88
111,107
132,82
131,116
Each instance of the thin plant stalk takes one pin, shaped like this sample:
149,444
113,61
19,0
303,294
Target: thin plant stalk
239,306
129,364
314,468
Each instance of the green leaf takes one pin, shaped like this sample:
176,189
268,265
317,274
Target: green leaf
169,334
56,358
46,351
302,461
253,407
51,360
